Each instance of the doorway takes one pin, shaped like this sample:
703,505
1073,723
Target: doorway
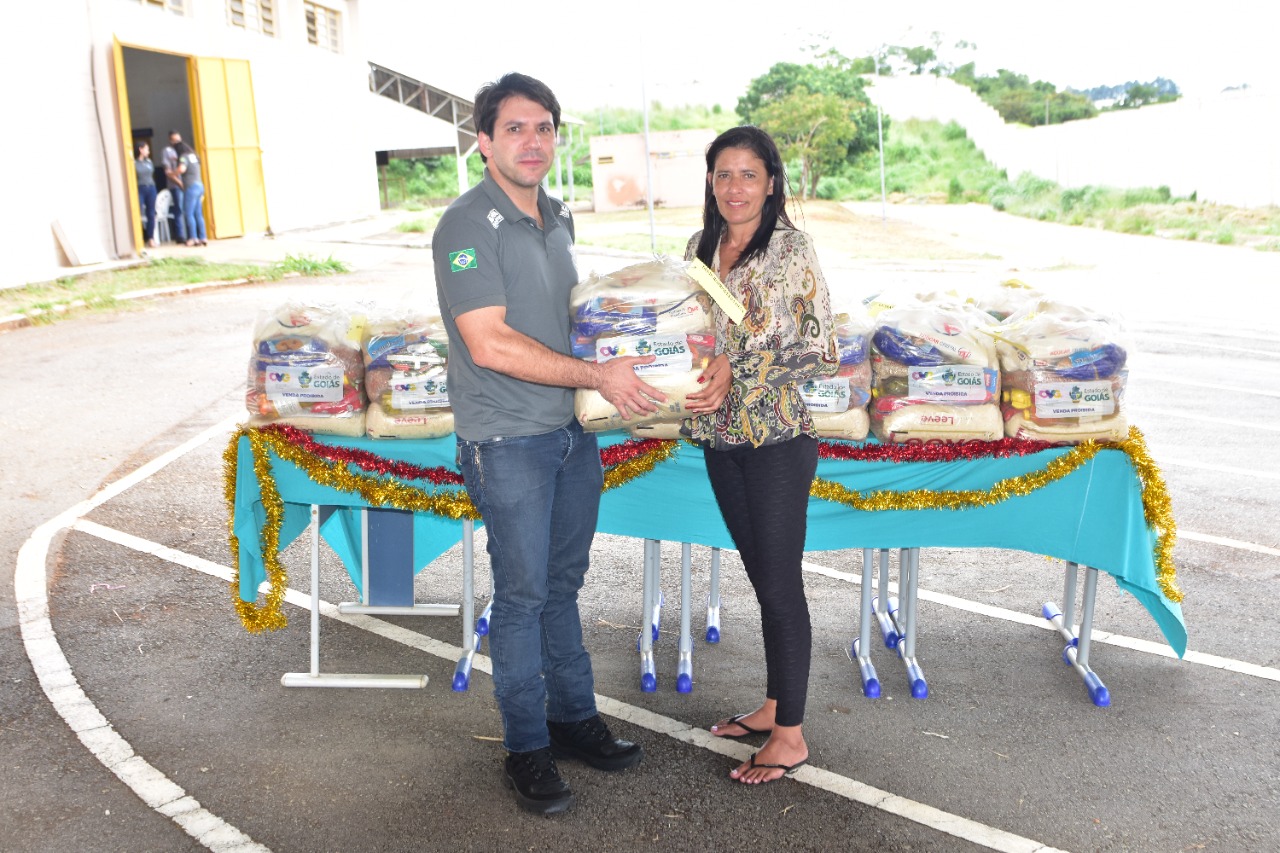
158,93
210,101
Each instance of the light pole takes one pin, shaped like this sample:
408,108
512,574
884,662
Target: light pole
884,202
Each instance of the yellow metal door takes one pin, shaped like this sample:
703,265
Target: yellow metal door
126,139
227,129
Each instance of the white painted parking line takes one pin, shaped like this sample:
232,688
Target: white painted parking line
1183,381
851,789
1229,543
1167,461
1204,419
160,793
1098,636
59,683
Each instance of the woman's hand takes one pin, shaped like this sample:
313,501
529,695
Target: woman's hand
716,379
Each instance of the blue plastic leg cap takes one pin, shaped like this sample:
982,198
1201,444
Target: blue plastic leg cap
871,689
919,690
460,680
713,635
648,682
684,683
1097,690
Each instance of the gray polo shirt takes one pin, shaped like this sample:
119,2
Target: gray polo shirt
488,253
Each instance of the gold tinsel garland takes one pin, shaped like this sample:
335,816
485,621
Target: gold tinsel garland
1156,506
376,491
383,492
624,472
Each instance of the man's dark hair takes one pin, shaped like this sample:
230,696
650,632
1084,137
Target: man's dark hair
774,211
491,95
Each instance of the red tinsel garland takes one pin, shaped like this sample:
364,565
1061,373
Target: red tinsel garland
363,459
1005,447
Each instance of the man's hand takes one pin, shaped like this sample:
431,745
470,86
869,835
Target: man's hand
716,379
620,385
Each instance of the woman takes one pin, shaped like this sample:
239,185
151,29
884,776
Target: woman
760,445
192,194
146,173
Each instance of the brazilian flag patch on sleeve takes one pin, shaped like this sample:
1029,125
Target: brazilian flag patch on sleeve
462,260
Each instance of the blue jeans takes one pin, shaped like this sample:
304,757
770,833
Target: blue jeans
539,496
179,223
147,199
193,211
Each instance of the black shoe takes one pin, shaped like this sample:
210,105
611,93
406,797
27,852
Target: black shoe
537,783
590,741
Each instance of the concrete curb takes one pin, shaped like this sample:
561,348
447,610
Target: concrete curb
18,321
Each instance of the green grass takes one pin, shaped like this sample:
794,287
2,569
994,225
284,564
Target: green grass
926,161
309,266
50,301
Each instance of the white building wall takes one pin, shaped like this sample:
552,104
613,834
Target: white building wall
66,158
1222,148
55,156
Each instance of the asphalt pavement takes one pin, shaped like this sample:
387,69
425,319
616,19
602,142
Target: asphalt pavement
136,714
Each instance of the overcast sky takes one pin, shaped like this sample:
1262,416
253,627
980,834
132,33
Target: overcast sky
601,53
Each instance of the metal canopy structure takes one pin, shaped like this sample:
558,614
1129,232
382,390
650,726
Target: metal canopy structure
430,100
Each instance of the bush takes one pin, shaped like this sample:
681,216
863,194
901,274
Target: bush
836,189
1144,195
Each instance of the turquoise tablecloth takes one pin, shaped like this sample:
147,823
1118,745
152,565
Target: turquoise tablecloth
1092,516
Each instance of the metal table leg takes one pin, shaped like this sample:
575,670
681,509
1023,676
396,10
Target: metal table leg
684,669
650,613
886,606
713,599
1076,653
470,634
862,645
315,678
908,585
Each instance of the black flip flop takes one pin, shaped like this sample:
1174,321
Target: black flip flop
736,720
787,769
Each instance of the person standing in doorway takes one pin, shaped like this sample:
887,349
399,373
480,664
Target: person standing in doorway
192,194
173,180
504,267
145,171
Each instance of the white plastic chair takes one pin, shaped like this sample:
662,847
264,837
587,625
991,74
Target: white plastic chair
164,201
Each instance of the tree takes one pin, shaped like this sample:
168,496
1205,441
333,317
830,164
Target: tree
918,57
1017,99
813,128
1138,95
835,75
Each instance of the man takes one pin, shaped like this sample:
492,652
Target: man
504,267
173,179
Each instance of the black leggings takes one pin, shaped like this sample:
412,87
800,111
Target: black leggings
763,493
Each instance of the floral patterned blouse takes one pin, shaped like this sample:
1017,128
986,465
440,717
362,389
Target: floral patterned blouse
785,339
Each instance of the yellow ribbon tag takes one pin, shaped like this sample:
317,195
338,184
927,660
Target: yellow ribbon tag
711,283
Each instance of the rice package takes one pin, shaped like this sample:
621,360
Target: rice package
654,308
838,403
1064,374
406,377
306,369
935,375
